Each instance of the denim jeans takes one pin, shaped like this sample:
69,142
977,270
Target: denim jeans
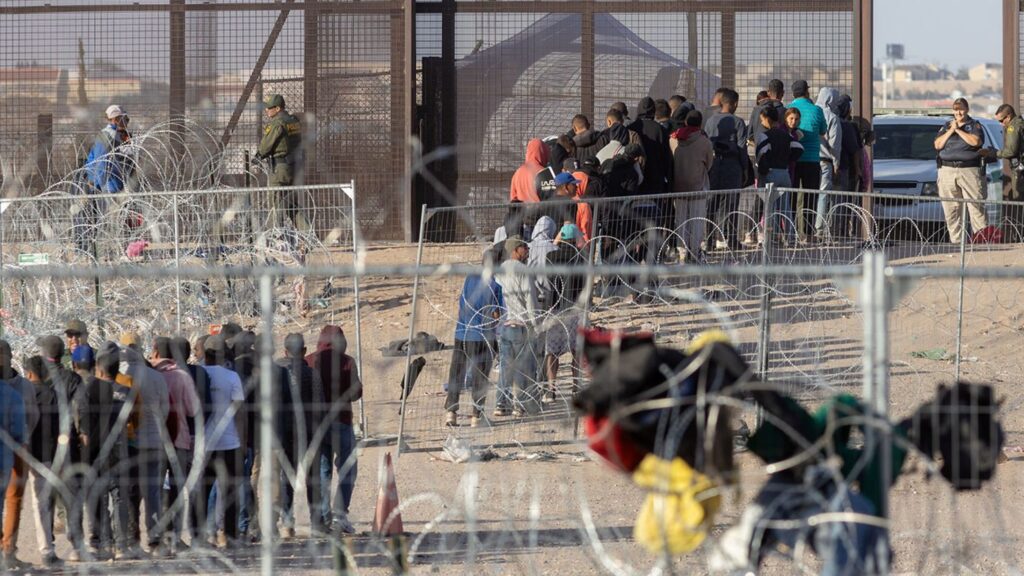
782,211
518,368
342,448
247,499
828,176
153,465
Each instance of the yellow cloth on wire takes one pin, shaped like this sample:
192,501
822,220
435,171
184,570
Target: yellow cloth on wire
705,338
676,513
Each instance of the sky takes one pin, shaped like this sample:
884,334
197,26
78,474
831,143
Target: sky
935,31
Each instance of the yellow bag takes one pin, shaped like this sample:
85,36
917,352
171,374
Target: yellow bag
678,510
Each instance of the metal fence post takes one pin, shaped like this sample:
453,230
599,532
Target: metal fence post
960,296
2,271
266,437
355,287
767,287
412,329
177,261
875,297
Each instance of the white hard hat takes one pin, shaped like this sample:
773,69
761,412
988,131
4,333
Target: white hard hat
113,111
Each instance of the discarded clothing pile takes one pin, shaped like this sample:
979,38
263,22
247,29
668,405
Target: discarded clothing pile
664,416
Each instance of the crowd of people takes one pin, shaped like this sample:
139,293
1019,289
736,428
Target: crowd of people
101,432
672,147
528,323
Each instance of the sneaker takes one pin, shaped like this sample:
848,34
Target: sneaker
287,533
451,419
222,540
518,413
549,397
477,420
74,555
500,411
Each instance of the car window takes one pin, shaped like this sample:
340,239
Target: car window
905,141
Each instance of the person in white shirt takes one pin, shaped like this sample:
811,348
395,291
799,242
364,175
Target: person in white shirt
518,362
221,440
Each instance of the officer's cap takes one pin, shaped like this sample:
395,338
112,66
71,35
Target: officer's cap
273,101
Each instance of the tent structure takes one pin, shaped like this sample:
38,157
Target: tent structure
528,86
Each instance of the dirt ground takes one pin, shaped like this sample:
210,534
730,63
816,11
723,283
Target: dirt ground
542,506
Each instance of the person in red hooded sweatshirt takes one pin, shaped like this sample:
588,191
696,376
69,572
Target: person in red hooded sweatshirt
341,387
532,181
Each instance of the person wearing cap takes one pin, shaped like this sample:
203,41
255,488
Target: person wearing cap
516,356
1013,150
220,441
281,147
83,361
107,168
76,334
808,168
961,170
305,407
183,404
19,472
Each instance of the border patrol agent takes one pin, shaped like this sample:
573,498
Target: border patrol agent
281,147
961,169
1013,149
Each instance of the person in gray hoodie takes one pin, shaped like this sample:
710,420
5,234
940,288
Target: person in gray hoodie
831,152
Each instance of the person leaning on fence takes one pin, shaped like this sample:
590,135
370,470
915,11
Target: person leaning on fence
517,335
480,305
281,148
342,387
961,166
692,157
1013,149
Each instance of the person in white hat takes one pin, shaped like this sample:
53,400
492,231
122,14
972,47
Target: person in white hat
106,170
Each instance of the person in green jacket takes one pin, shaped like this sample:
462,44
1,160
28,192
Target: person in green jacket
281,148
1013,130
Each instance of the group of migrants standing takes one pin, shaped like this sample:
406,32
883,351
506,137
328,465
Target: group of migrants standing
713,154
165,433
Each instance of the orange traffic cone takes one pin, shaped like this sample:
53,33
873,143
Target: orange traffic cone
384,523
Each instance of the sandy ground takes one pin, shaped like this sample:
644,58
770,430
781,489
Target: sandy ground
543,507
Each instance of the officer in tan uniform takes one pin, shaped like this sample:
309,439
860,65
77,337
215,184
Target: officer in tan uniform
1013,148
961,170
281,148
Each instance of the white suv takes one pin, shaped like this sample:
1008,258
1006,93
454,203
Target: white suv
904,164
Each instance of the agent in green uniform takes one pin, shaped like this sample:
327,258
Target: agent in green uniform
281,147
1013,131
